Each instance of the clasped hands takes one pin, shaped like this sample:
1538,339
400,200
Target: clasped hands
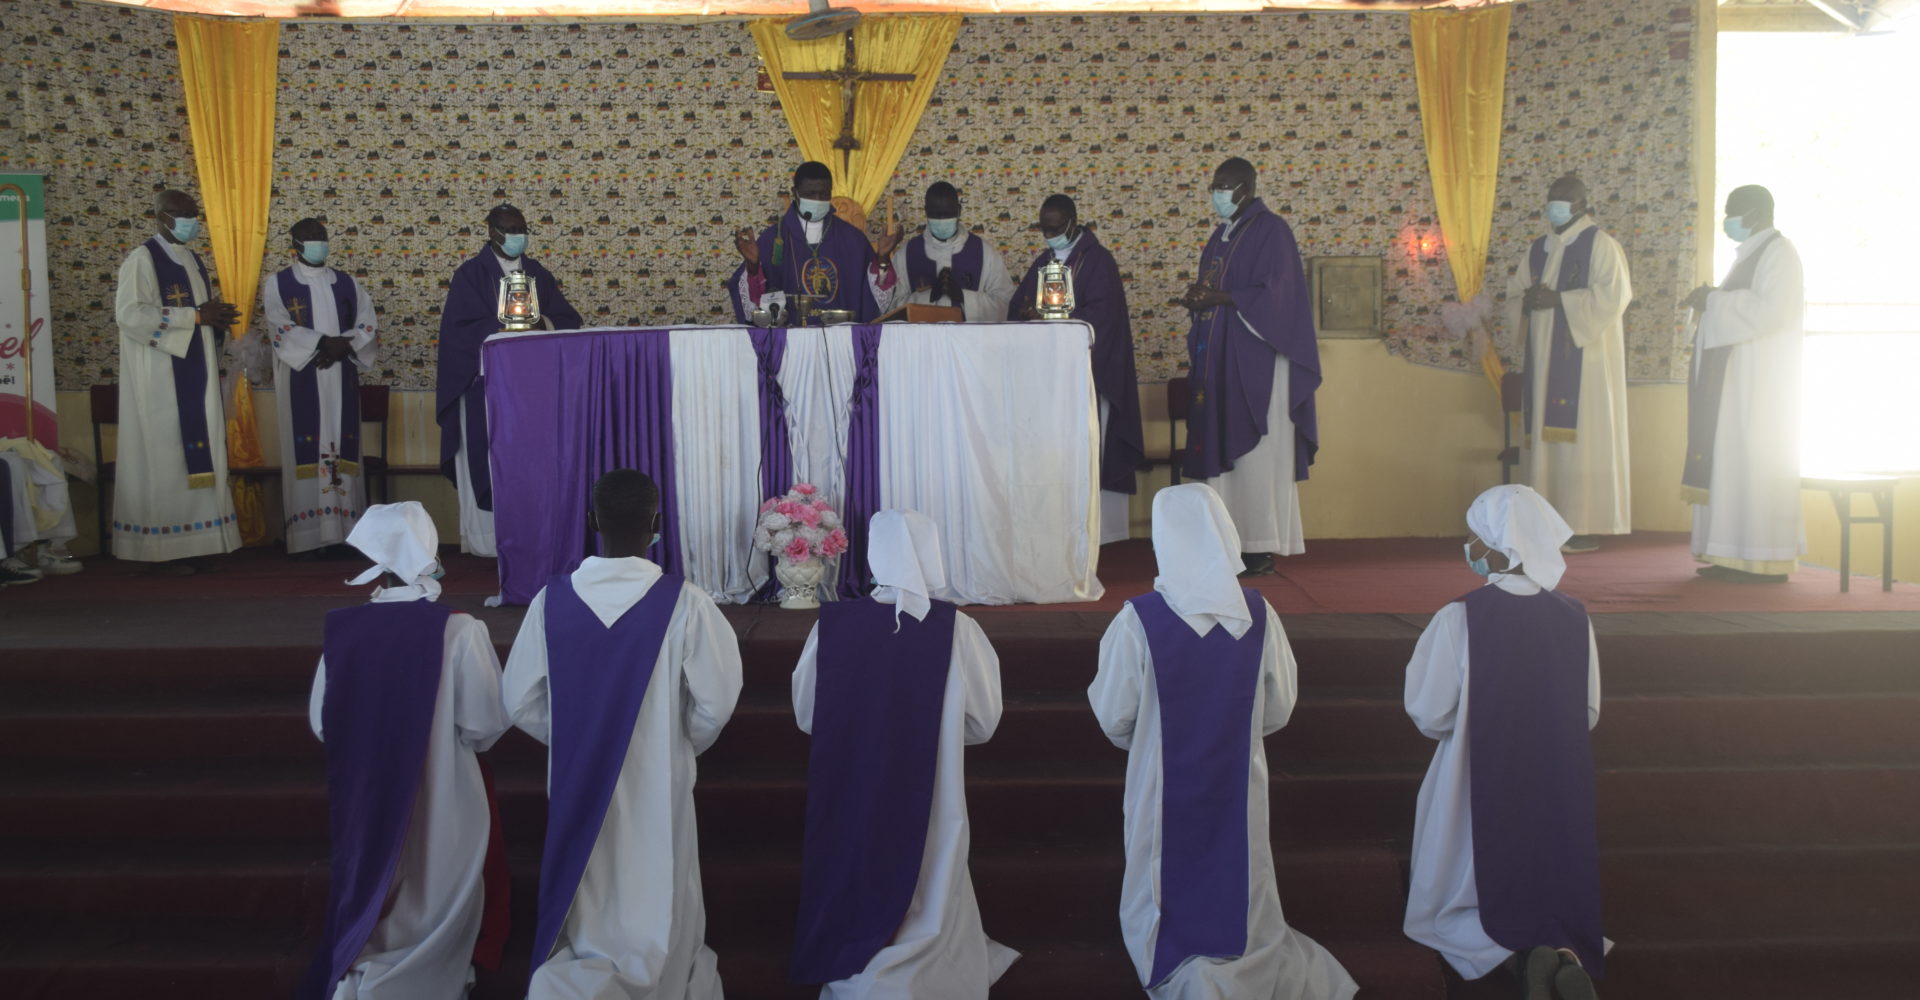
217,314
1697,299
1540,297
332,350
1203,296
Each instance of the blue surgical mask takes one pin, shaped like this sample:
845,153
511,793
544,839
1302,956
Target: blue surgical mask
1736,228
1477,565
942,229
812,210
1559,213
513,244
656,540
313,252
1224,205
1060,242
185,229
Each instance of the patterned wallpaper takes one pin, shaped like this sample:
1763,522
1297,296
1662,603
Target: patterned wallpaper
635,149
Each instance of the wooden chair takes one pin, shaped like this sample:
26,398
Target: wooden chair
104,402
375,408
1513,388
1179,404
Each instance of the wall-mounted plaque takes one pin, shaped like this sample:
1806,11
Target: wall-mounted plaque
1346,296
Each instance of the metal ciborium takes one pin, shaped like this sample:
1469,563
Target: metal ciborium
519,302
1053,299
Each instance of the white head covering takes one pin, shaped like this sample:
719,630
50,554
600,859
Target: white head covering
903,551
1521,524
400,539
1198,549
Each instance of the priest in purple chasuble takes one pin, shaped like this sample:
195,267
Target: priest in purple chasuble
626,674
948,266
1569,293
325,338
1742,471
1506,864
1254,363
893,687
1099,299
1192,676
811,251
407,693
170,500
470,316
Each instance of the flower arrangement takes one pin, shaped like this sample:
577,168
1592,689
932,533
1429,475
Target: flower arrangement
799,526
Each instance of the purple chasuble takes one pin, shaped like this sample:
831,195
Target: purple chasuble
863,460
469,317
1562,413
966,265
1536,855
596,678
835,270
383,665
776,448
304,384
189,373
1207,687
1230,367
878,696
1100,299
1708,383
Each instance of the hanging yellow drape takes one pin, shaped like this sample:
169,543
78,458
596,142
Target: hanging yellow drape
885,112
1460,64
230,73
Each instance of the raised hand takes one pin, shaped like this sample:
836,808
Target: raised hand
748,243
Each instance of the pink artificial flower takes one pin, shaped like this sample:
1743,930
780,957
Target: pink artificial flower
788,508
834,544
807,516
798,550
769,504
822,505
805,489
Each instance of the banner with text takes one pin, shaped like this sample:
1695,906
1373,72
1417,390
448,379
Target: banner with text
24,335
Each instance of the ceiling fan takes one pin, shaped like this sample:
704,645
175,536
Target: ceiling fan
821,20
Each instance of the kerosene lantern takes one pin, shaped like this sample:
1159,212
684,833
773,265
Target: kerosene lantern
1053,299
519,302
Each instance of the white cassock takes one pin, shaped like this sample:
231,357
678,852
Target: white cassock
1584,479
156,515
940,950
1260,490
637,928
1752,521
41,510
1443,900
881,282
987,304
319,510
1280,963
422,948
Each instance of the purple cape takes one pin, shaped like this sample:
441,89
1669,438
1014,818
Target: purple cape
876,739
303,387
384,663
469,317
596,679
189,373
1565,357
1230,367
1100,299
1207,687
1708,383
1536,855
837,268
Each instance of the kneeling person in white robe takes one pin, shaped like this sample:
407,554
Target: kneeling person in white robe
407,693
1507,679
893,688
626,674
1198,671
36,517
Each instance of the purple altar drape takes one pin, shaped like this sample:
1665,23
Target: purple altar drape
578,405
863,460
776,450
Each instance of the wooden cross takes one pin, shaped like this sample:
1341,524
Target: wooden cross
297,309
850,78
178,295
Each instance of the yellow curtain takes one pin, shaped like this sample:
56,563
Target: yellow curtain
230,72
1460,64
885,112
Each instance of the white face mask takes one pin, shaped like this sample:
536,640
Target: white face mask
813,211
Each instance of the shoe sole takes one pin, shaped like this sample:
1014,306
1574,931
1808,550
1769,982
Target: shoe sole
1538,971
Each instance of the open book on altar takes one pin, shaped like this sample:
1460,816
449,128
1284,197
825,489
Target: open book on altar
917,312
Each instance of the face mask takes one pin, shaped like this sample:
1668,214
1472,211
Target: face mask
513,244
1736,228
313,252
814,211
1060,242
656,540
185,229
1223,204
1477,565
943,229
1559,213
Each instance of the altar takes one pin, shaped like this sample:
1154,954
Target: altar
990,429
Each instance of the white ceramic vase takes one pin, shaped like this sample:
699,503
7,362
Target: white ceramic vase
799,583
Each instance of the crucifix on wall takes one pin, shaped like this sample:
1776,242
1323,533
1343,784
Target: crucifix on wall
850,77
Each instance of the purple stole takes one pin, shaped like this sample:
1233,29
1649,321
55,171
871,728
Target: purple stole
1206,686
1230,368
384,663
967,264
1704,390
835,270
1561,417
304,384
189,373
1536,855
877,702
596,679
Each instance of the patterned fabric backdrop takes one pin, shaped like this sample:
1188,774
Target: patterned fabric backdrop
636,149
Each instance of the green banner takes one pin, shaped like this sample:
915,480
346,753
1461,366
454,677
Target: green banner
10,200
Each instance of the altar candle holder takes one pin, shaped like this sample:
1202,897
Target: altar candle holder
519,302
1054,297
